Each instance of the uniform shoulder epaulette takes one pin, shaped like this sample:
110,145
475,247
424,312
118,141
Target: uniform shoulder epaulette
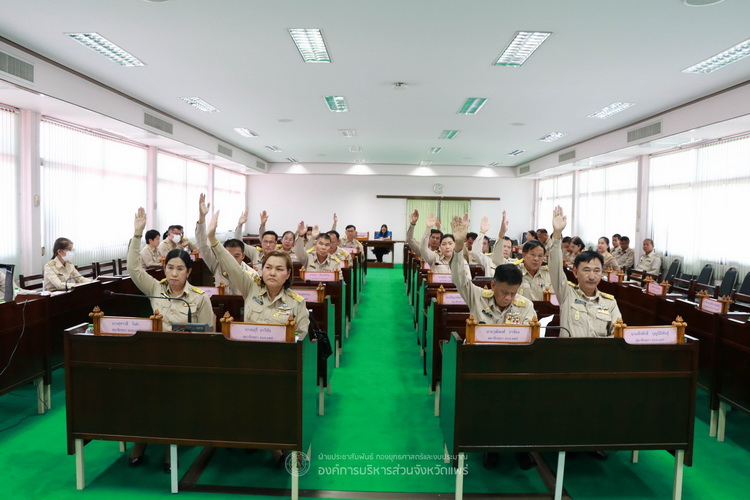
607,296
163,281
518,262
259,249
572,284
295,296
519,301
256,278
487,294
336,258
544,268
198,290
310,250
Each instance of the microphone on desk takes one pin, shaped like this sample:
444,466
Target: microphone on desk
558,328
110,293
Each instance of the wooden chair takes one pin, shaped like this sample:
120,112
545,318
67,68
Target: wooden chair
31,282
87,271
108,268
122,266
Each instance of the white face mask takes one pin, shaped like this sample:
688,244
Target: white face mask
69,256
176,238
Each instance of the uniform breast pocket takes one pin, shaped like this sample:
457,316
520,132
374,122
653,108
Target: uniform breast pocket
578,313
253,311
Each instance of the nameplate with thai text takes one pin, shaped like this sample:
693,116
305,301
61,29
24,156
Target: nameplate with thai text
320,276
124,326
351,250
257,333
505,334
441,278
650,335
308,294
655,289
613,277
453,298
711,306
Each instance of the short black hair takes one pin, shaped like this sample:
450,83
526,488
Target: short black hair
471,235
543,231
616,235
351,226
588,256
436,231
531,245
179,254
151,234
275,236
324,236
334,233
447,236
532,233
625,239
578,242
234,243
567,239
648,239
508,273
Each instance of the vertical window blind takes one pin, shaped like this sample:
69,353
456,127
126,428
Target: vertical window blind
91,186
552,192
179,183
9,186
230,198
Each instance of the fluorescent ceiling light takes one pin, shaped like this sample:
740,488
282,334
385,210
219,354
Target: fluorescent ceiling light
336,103
359,161
425,163
274,149
472,105
729,56
355,149
244,132
494,164
106,48
292,160
610,110
311,45
517,152
348,132
449,134
434,151
553,136
199,104
523,45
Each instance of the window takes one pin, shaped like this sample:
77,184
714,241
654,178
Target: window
553,192
178,186
9,186
229,197
91,187
445,210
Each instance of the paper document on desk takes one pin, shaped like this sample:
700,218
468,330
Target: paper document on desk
543,324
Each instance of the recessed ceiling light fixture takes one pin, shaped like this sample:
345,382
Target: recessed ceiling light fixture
494,164
729,56
517,152
348,132
434,151
610,110
355,149
472,105
311,45
553,136
336,103
199,104
425,163
359,161
245,132
292,160
449,134
111,51
274,149
523,45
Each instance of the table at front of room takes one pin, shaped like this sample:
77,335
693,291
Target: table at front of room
389,244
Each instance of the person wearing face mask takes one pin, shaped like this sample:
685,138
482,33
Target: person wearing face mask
60,270
175,240
440,262
536,277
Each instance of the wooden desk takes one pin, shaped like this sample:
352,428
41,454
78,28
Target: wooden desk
189,389
730,381
389,244
581,394
24,348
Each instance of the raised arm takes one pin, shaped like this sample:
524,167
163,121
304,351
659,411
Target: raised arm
556,262
427,254
240,222
263,220
299,244
459,227
335,221
144,281
497,251
200,236
237,276
413,218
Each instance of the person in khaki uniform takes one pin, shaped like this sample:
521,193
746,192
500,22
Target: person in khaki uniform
350,241
60,273
335,250
610,262
416,247
150,254
536,277
316,258
175,240
584,310
235,247
177,269
477,251
650,261
440,262
287,244
624,254
268,298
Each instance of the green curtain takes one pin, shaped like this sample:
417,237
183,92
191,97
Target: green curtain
425,208
452,208
445,210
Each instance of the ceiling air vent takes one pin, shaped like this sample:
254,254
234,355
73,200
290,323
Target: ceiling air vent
260,165
643,132
570,155
524,170
225,151
16,67
157,123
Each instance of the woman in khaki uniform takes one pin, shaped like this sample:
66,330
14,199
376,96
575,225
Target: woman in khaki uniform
610,262
60,273
150,255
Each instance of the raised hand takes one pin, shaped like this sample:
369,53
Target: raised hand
503,226
211,229
315,232
263,218
140,221
335,219
484,226
243,218
559,221
202,208
301,229
414,217
431,221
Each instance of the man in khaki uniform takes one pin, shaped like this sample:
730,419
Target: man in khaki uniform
316,258
624,255
650,261
341,254
351,241
175,240
536,277
584,310
433,242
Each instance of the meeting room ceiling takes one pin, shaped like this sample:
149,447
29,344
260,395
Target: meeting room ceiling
239,56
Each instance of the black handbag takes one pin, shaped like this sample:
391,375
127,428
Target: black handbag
321,338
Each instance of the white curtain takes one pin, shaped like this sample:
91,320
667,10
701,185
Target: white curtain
9,188
552,192
179,183
698,204
91,187
229,197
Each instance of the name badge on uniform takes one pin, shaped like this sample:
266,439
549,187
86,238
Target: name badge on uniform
487,312
580,301
602,309
258,300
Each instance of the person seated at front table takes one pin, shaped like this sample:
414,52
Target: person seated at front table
235,247
177,269
384,235
150,254
610,262
584,310
316,258
536,277
496,306
60,273
440,262
175,240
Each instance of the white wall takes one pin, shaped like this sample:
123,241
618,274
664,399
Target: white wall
314,198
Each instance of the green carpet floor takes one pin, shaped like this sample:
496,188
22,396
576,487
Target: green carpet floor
378,434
